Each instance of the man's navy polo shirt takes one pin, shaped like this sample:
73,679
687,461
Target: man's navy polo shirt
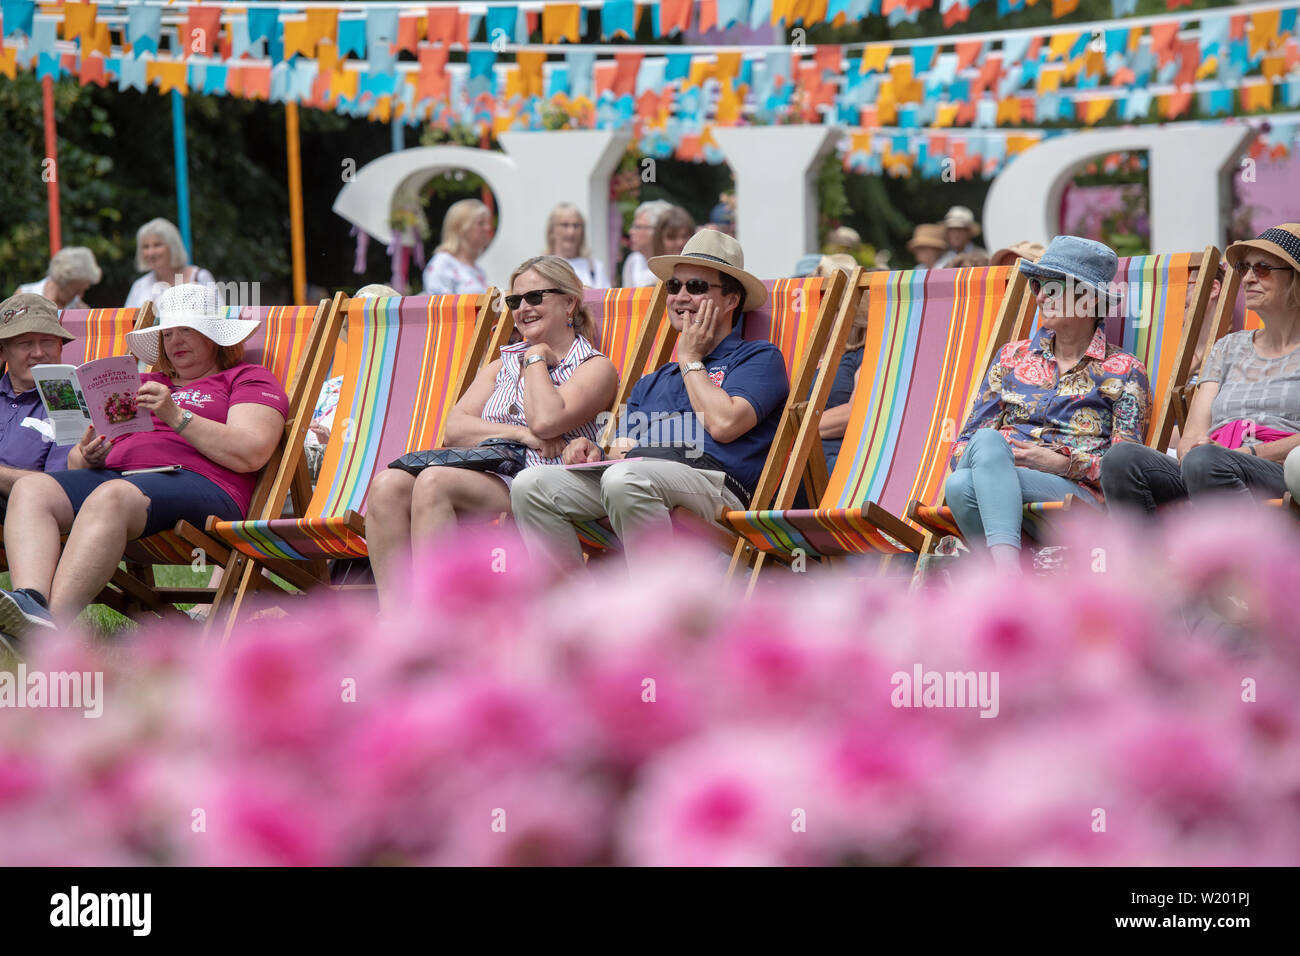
754,371
20,445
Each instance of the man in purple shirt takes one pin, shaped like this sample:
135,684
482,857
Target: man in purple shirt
30,334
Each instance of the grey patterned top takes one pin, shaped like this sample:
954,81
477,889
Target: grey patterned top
1266,391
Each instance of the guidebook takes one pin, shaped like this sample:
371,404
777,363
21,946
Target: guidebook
99,393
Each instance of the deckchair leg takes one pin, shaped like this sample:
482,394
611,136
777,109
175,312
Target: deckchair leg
759,561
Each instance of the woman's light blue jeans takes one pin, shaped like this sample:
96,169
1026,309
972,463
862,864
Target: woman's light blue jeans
987,491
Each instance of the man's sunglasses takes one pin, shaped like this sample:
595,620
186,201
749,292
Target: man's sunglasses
532,298
693,286
1262,269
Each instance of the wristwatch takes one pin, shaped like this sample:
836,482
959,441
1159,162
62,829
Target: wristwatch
693,366
186,417
532,359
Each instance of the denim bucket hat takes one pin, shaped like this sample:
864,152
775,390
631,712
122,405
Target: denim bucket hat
1087,262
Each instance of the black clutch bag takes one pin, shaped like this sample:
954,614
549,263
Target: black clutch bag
497,455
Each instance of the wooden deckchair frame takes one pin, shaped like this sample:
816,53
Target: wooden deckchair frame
244,575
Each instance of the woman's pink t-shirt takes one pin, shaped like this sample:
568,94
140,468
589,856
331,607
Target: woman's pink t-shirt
209,397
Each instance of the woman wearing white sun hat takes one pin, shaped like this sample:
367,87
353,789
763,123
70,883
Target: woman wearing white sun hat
216,416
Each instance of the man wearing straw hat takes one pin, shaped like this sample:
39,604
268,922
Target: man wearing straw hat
694,433
961,229
30,335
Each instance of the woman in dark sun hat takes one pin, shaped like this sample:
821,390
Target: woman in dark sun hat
1245,416
1050,406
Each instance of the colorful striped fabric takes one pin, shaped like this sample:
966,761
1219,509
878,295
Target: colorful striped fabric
1151,327
404,358
786,320
277,344
620,316
926,333
100,333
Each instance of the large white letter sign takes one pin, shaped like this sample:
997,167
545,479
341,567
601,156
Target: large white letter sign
1189,171
536,171
776,191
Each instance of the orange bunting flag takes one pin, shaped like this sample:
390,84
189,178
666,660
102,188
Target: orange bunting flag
433,82
408,34
965,113
1095,109
320,87
202,27
1190,62
441,25
957,13
78,20
92,71
1163,37
1175,105
602,77
1094,63
1124,76
708,15
560,21
675,15
991,71
530,73
257,82
867,117
967,52
876,57
689,149
828,58
1237,27
1061,8
1291,50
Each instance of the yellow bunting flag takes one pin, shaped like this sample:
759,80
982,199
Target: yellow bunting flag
560,22
78,20
860,143
9,62
1208,68
1257,96
383,109
298,38
1061,8
327,55
728,67
170,75
1018,144
1263,31
875,58
530,72
945,115
886,104
97,41
900,71
1060,45
322,24
1095,109
1009,111
729,105
1049,79
781,11
1274,67
343,82
701,70
514,84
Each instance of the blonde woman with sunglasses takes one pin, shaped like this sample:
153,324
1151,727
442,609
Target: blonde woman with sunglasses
1245,417
543,392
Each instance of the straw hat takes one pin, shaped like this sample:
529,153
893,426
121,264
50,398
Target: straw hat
960,217
29,312
189,306
1282,241
927,236
1021,250
715,250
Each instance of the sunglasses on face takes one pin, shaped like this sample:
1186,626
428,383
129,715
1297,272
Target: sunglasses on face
693,286
1262,270
532,298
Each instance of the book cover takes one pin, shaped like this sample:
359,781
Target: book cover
100,393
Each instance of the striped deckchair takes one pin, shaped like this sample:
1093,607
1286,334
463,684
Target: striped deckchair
409,360
1156,326
929,334
287,343
797,319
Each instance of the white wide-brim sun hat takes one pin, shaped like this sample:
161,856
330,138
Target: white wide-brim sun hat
189,306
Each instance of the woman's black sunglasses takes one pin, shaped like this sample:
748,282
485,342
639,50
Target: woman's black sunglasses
532,298
1262,269
693,286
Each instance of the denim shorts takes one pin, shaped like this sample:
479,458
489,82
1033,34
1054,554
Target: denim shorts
173,496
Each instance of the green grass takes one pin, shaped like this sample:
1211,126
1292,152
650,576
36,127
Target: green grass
103,621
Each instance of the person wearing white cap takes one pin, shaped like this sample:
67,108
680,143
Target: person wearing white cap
216,416
695,432
73,270
961,229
